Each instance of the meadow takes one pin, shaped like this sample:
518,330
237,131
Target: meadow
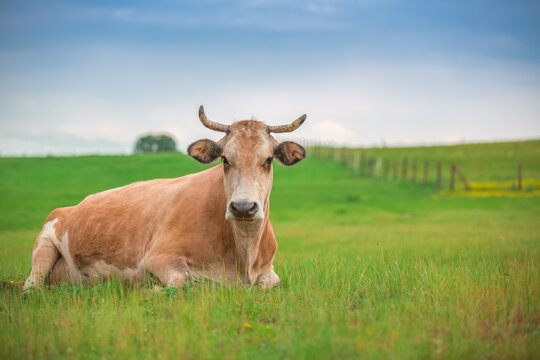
370,268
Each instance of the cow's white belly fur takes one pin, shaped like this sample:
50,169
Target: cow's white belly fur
101,270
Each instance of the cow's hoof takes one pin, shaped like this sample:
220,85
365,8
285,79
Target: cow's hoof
27,291
268,280
268,285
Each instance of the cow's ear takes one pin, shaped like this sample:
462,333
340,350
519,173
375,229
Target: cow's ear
204,151
289,153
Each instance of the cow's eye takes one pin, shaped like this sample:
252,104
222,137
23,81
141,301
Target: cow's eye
225,161
268,161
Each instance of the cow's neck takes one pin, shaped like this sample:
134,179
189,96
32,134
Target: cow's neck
247,237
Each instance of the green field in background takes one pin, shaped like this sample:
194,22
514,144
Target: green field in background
370,268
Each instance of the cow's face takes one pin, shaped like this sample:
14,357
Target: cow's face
247,152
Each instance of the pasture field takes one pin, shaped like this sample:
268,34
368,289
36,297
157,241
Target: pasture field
370,268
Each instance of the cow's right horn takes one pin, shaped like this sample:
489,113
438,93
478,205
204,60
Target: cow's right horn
210,124
289,127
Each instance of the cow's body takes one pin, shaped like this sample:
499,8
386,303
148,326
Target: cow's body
110,234
209,225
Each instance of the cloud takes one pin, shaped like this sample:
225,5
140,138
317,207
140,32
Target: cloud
92,131
334,131
453,138
56,143
256,15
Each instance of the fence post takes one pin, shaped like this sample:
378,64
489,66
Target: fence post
378,164
463,179
452,177
356,159
370,164
386,165
520,187
337,154
426,172
404,169
414,164
439,175
363,164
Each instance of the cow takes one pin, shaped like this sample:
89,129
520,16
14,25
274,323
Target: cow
210,225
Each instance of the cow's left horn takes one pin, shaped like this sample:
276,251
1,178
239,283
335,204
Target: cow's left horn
289,127
210,124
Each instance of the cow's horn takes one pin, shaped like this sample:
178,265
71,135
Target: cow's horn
289,127
210,124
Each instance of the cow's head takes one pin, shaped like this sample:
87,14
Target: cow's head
247,151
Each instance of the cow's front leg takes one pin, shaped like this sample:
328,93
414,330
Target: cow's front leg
268,280
171,271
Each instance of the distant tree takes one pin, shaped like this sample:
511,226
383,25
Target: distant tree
155,143
166,143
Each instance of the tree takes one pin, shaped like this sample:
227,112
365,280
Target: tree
155,143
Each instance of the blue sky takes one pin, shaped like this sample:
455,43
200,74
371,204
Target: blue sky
89,76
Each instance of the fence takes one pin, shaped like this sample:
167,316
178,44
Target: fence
403,169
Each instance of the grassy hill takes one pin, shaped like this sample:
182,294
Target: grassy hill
369,268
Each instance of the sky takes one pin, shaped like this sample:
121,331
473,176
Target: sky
88,77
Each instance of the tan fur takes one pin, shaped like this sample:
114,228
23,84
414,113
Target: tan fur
175,229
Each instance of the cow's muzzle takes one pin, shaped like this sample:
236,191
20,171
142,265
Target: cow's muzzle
243,209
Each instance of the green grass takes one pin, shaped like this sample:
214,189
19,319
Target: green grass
370,268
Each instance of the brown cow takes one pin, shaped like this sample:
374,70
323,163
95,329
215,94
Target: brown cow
209,225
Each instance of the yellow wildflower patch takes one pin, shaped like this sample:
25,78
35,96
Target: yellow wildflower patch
530,188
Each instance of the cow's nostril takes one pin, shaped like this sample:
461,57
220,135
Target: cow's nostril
244,209
253,209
